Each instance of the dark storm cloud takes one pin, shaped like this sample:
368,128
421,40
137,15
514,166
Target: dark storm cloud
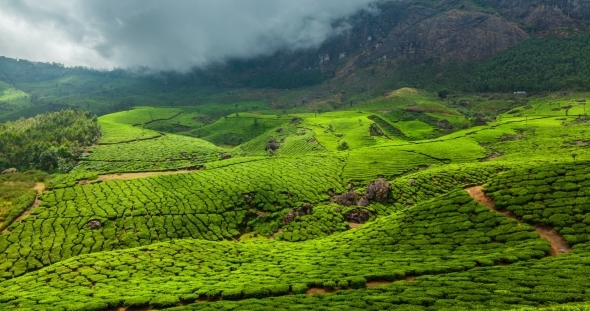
175,34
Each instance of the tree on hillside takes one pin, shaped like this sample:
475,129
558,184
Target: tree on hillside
443,93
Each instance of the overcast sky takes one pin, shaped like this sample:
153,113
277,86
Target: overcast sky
171,34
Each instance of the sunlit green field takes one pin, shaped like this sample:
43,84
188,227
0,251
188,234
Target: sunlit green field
239,206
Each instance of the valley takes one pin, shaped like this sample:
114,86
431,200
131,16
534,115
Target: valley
290,217
336,155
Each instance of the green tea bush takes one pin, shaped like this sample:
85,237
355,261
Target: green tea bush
212,205
164,153
293,139
323,221
434,237
553,195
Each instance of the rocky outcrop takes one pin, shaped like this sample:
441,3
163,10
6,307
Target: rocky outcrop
358,216
542,15
10,171
94,225
447,30
451,36
305,209
272,145
378,190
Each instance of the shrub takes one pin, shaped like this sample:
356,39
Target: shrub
163,301
138,301
232,293
256,292
357,282
329,284
299,288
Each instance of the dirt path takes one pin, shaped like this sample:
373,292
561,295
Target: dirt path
354,225
558,244
128,176
478,195
40,188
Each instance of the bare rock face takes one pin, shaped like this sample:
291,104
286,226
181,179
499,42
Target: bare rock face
378,190
359,216
427,31
296,120
347,199
225,156
94,225
363,202
11,170
272,145
459,36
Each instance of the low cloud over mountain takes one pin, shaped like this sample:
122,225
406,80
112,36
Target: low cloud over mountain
175,34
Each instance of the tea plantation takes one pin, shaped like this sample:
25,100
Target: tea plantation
406,202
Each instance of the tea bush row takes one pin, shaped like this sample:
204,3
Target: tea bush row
530,285
101,167
323,221
554,195
365,165
424,185
449,234
391,161
115,133
211,204
168,147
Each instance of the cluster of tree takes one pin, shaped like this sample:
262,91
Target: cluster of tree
19,70
50,142
536,65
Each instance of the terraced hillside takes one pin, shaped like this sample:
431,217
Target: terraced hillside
368,209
